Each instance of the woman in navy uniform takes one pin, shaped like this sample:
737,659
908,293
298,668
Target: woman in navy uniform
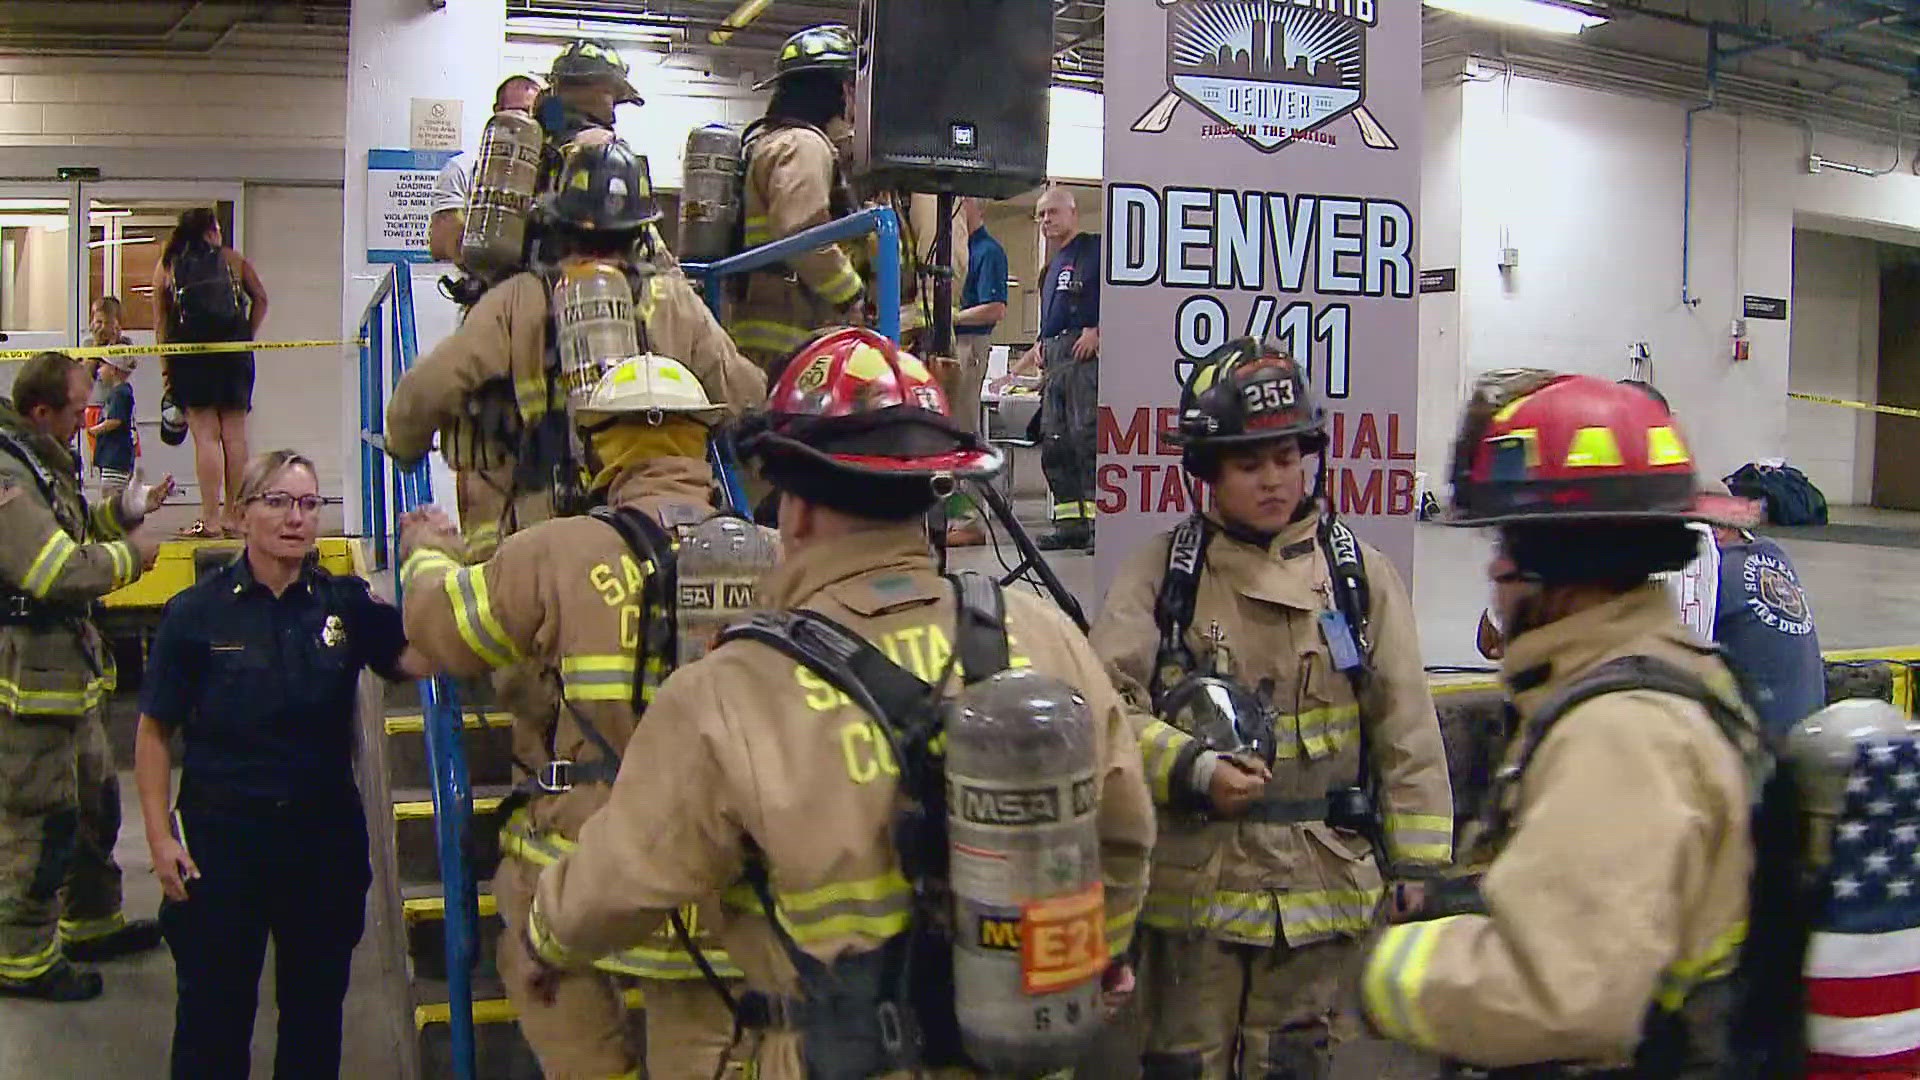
257,667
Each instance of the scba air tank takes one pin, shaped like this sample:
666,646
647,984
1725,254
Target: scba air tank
710,194
593,323
500,197
717,572
1029,929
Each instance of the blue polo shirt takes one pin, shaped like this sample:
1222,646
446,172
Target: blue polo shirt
263,688
1764,625
1070,291
986,277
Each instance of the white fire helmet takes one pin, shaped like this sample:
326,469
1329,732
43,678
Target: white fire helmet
648,385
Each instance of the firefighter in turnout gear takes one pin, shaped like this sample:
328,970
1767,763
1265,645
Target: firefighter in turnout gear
1296,736
756,777
793,181
587,83
571,600
1615,851
495,383
59,793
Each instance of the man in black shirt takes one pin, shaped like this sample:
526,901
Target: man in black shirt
1069,350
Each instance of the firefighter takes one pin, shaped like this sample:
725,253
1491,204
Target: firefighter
568,599
587,83
59,793
794,181
762,780
1615,850
1265,875
495,379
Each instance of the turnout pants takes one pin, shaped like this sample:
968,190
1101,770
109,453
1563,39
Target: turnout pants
1069,418
689,1030
582,1035
1216,1011
59,818
963,402
293,872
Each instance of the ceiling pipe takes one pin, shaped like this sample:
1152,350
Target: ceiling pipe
743,15
1816,163
1687,299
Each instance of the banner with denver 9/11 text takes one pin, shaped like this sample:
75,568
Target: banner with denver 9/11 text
1263,175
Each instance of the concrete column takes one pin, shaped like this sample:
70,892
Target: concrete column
399,50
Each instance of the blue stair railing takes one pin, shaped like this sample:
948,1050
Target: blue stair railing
387,350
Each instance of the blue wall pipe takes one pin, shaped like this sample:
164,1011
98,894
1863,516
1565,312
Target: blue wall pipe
1687,299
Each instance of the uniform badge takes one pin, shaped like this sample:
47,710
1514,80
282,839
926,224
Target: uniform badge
334,633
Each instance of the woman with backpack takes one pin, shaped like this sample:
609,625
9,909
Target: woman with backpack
204,292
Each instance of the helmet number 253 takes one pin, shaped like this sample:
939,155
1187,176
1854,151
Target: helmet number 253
1269,394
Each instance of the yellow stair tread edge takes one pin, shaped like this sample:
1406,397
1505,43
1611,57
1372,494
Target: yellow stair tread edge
405,811
496,1010
415,723
173,569
434,908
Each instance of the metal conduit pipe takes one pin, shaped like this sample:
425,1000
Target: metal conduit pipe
1687,299
1815,163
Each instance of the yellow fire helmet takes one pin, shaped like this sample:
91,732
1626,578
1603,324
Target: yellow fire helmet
648,384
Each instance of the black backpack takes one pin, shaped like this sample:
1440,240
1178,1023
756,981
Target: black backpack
207,305
1791,498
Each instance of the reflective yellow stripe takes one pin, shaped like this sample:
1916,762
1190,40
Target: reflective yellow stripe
31,966
423,560
498,1011
544,944
766,335
842,287
15,699
875,908
90,929
518,839
1390,986
473,616
1426,838
104,523
1325,730
597,677
1073,511
482,540
1264,918
1160,747
1680,980
531,395
1120,930
120,555
46,566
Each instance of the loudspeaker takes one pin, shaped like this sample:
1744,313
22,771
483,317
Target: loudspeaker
951,95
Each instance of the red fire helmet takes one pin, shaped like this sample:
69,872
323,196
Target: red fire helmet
854,400
1539,445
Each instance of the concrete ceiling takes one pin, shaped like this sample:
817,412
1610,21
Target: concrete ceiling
297,33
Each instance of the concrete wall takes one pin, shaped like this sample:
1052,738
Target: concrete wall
293,238
1587,186
1836,352
82,101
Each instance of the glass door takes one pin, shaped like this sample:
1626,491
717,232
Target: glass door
37,288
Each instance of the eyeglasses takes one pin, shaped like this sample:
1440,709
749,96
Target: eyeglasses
282,501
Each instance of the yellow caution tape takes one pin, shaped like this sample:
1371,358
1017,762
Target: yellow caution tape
1868,406
176,350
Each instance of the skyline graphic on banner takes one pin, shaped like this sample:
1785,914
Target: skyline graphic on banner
1274,69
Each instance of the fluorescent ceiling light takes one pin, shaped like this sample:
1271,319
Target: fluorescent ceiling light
1538,15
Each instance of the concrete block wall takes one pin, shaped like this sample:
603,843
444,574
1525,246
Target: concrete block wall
77,101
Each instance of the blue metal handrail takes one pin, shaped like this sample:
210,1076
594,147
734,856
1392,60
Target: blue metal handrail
886,266
387,350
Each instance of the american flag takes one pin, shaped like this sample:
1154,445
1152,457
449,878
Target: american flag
1863,965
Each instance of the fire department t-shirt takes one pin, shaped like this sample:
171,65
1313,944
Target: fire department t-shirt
1765,625
1070,292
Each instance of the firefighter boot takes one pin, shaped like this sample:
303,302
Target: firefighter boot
135,936
61,982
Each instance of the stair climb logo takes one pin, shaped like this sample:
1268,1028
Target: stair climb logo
1208,238
1271,72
